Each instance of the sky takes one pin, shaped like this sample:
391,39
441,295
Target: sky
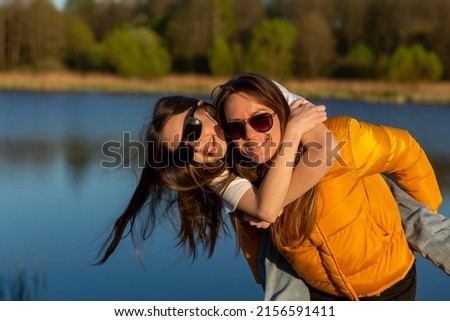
59,3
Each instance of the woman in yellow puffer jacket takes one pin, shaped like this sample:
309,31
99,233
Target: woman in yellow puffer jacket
345,236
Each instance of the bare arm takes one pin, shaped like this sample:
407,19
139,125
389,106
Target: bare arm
266,202
316,161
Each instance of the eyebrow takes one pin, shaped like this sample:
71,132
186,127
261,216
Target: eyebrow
253,114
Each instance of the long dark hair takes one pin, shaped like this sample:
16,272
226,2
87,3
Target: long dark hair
166,190
297,221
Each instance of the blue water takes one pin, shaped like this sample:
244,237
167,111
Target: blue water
56,203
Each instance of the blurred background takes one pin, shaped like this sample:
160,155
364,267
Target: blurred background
403,40
57,201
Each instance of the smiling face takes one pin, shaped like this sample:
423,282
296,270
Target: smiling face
208,148
258,146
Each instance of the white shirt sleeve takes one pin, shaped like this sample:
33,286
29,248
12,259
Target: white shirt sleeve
233,192
290,97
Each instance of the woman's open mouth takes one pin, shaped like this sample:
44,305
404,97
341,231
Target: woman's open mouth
212,148
253,146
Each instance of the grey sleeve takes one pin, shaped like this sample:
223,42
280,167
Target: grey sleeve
280,282
427,233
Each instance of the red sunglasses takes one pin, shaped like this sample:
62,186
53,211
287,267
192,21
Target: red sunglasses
261,123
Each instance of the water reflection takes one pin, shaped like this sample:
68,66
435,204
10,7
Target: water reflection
24,282
39,153
79,154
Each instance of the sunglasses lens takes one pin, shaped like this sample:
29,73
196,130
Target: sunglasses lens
220,132
192,130
261,123
234,130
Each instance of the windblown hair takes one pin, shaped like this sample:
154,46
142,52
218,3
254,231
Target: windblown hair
297,221
167,190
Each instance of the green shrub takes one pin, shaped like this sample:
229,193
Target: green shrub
155,59
220,58
135,52
81,52
414,64
358,63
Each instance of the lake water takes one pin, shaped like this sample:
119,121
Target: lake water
56,203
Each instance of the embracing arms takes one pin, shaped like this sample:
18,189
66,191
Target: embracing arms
283,182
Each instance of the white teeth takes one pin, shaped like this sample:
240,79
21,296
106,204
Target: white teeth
255,146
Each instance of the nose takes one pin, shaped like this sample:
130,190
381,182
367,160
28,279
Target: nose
194,145
250,133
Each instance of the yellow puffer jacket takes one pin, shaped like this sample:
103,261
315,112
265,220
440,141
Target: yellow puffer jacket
358,247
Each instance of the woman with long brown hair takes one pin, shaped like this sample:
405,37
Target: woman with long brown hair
345,235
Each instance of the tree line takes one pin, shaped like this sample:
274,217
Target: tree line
401,40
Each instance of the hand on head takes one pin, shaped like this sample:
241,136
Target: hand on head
305,116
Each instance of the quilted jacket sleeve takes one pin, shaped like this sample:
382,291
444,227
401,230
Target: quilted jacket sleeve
382,149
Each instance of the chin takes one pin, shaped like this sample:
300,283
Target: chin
261,160
256,158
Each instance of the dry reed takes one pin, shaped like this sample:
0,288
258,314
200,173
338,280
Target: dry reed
438,92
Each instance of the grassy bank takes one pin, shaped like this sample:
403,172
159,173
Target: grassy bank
201,84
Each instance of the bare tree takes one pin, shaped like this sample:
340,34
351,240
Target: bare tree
13,32
2,39
315,23
43,33
316,45
194,28
244,19
351,22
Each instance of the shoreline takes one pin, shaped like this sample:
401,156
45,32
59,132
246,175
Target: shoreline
374,91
